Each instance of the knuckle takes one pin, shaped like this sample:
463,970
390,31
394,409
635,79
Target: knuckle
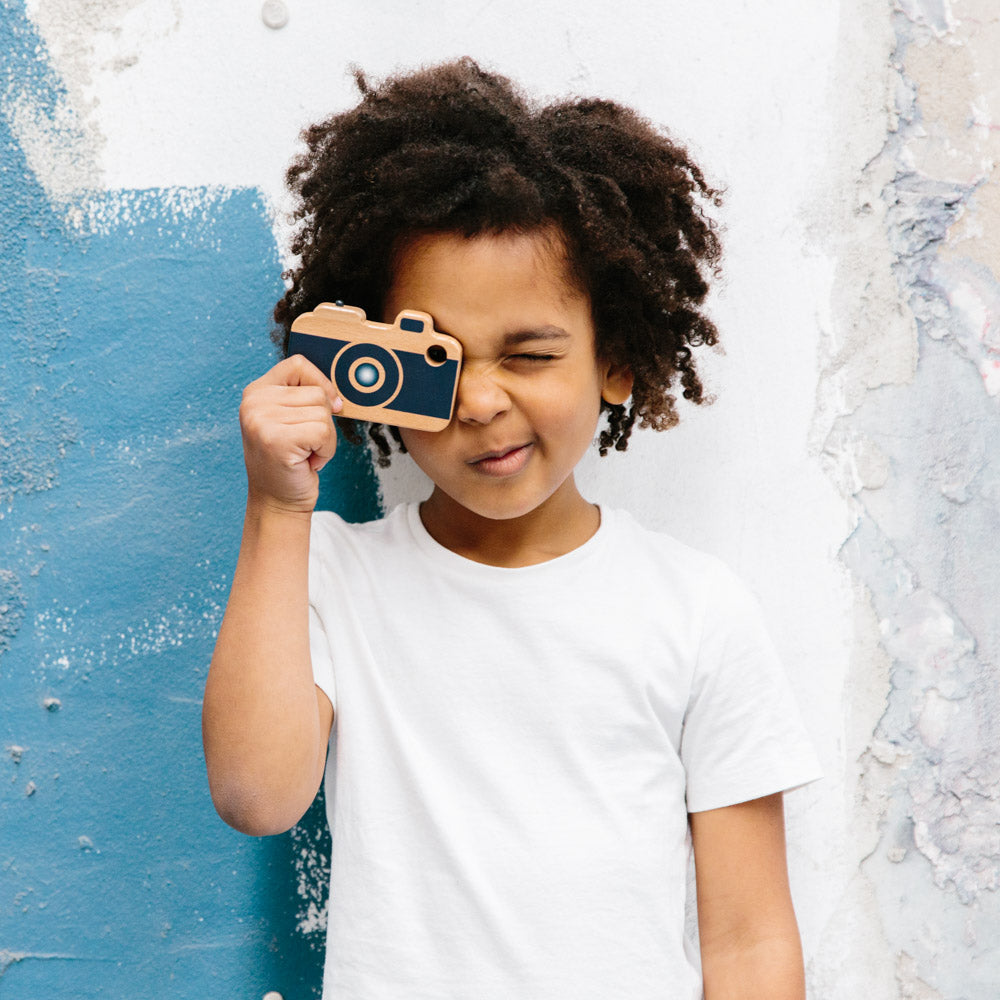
268,436
249,416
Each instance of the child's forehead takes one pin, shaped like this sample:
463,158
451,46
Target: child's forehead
461,263
494,292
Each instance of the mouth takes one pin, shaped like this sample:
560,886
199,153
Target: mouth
503,461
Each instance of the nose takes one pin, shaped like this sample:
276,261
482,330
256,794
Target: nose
479,398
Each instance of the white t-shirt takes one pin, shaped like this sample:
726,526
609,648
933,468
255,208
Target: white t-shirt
515,752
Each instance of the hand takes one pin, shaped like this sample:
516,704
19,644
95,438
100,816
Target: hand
288,434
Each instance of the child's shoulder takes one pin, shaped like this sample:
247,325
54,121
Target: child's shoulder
658,548
328,524
656,563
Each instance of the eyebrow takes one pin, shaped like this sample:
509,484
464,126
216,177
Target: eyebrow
543,333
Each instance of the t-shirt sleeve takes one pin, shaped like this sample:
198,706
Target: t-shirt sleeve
322,658
320,650
743,736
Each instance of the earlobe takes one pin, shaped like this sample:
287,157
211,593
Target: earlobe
617,387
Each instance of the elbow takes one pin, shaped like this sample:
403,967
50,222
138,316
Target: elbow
255,812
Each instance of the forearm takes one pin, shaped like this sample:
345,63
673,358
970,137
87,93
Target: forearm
260,719
750,947
768,968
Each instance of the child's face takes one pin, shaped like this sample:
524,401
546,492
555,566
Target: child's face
529,395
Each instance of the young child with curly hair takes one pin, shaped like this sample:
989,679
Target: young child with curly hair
528,708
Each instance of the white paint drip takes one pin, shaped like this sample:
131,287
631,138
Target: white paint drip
312,868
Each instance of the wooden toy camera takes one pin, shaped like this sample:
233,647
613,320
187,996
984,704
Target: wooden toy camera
405,374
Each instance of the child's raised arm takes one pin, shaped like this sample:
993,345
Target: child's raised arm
265,724
750,947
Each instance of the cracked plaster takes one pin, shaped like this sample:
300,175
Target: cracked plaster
909,427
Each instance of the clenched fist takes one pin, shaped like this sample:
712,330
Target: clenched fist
288,434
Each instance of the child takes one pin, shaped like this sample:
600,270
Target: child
532,704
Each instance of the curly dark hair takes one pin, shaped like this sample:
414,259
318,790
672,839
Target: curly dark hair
454,148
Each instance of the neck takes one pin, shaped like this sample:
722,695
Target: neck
562,523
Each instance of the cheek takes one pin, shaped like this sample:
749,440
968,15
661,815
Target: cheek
411,439
421,445
568,424
577,404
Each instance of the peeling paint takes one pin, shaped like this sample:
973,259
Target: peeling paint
12,606
916,451
911,986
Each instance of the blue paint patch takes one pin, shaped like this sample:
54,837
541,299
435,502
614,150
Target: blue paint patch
127,343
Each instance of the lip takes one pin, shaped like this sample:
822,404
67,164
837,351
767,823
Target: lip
502,461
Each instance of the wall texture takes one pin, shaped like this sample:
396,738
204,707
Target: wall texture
849,469
909,428
125,352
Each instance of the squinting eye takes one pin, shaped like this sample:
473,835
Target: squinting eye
534,357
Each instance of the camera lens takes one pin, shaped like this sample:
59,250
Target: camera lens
367,374
436,354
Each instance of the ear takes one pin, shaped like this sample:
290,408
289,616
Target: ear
617,386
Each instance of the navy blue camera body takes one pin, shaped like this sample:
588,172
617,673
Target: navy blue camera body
404,373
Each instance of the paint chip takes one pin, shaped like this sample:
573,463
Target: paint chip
274,14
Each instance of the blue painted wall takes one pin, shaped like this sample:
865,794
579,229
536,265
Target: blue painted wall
125,349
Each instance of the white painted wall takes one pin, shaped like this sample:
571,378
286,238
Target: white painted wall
786,103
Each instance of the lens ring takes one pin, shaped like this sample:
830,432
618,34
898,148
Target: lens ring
366,375
345,372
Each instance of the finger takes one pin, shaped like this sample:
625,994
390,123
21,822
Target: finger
279,402
325,452
295,370
290,416
318,439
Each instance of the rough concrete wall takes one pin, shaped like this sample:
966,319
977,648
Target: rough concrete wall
909,428
848,469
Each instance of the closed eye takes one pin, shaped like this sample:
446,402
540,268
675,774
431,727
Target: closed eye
534,357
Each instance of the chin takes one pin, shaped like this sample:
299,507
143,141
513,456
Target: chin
502,509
